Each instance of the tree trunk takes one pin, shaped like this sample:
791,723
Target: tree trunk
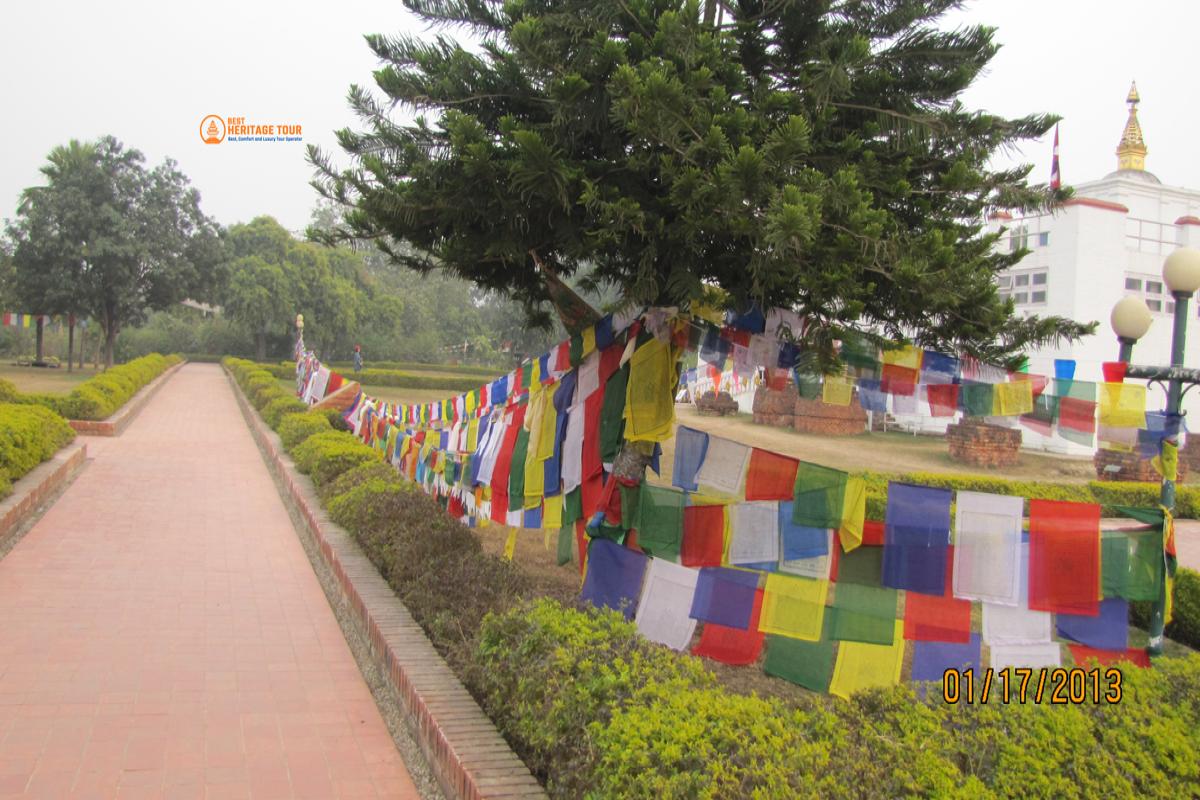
110,340
82,346
633,459
70,343
41,330
260,346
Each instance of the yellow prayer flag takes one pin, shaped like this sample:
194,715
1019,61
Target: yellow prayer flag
854,513
589,341
552,513
548,423
837,391
472,434
907,356
650,393
793,607
1013,398
1123,405
510,544
864,666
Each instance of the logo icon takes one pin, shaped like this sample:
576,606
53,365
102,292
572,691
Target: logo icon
212,129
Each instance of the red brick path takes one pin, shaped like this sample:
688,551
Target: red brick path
162,633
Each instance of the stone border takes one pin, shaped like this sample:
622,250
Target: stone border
467,754
36,486
120,419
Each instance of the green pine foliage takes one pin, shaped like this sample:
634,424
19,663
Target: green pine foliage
813,156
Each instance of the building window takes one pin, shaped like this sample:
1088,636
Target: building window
1153,287
1039,279
1021,280
1020,298
1154,305
1133,284
1038,297
1018,239
1003,281
1157,296
1043,239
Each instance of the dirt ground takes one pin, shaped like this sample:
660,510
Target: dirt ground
43,379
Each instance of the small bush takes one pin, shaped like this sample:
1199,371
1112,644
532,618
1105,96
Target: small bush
29,434
101,396
327,455
336,420
294,429
8,391
274,411
367,471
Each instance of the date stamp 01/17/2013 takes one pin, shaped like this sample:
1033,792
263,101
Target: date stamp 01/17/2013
1057,686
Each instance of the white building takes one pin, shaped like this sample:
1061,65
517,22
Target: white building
1108,241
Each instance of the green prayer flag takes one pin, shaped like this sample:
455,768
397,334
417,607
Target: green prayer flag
1076,390
612,415
566,538
818,496
572,506
576,351
808,386
807,664
864,613
659,521
516,476
976,399
1131,564
862,565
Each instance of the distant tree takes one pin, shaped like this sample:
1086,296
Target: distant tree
108,238
810,155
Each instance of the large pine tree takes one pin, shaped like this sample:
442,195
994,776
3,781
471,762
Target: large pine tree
812,155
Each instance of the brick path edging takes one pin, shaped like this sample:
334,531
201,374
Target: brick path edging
120,419
32,489
465,751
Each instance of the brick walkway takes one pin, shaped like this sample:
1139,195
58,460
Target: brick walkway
164,635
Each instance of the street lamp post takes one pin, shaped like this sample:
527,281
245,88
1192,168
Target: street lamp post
1130,321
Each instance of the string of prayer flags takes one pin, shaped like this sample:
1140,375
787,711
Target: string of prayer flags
666,600
1043,416
725,596
1016,624
807,664
754,537
854,511
930,660
1076,410
862,666
1132,564
976,399
1108,630
691,446
901,368
863,613
1083,654
733,645
771,476
1123,405
1028,656
1064,557
613,577
863,565
650,402
800,554
917,537
724,465
794,607
659,521
871,395
987,553
938,368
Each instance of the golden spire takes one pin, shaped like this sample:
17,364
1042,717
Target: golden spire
1131,152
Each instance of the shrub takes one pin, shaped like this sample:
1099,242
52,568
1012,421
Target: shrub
324,456
1185,609
29,434
274,411
336,420
100,397
8,391
296,428
367,471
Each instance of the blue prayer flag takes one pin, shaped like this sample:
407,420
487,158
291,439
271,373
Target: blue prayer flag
614,576
691,446
800,541
1107,631
916,538
725,596
870,396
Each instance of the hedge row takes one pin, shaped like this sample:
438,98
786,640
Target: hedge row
390,377
99,397
1107,493
598,711
29,434
485,373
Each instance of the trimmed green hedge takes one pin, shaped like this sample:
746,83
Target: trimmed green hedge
29,435
99,397
598,711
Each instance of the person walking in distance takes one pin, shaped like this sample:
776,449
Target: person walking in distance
357,359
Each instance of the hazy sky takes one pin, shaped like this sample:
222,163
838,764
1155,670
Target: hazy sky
148,72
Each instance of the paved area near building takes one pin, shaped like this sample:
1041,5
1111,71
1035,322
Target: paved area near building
164,635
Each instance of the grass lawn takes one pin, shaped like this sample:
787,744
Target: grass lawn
44,380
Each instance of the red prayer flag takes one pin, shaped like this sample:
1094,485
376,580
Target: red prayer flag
771,476
581,542
1077,415
777,379
943,399
703,536
499,507
1064,557
1082,654
899,380
562,362
732,645
873,531
736,335
938,619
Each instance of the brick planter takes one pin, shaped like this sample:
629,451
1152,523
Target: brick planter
32,490
124,415
813,416
1115,465
716,405
982,445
